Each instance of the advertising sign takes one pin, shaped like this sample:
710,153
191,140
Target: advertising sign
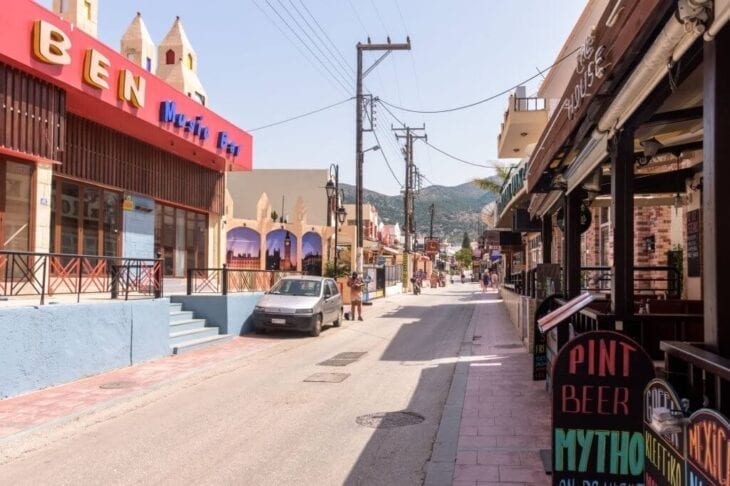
663,435
708,449
432,246
599,379
694,241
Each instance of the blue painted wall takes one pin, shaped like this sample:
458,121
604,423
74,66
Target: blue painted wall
139,229
54,344
232,313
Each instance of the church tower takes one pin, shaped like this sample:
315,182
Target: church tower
178,63
83,14
137,45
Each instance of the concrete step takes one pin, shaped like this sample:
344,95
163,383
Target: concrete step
194,344
192,334
188,325
175,307
178,316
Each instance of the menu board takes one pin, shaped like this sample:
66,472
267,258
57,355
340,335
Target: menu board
664,435
539,352
694,243
598,406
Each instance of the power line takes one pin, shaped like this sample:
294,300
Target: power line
483,100
382,151
458,159
337,79
318,110
339,52
293,43
359,19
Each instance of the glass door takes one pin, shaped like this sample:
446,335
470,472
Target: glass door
15,206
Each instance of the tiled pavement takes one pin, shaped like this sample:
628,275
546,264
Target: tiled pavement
56,404
505,416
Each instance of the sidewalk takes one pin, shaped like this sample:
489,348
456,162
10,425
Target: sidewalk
505,416
58,404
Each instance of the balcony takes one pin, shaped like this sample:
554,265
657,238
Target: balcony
524,121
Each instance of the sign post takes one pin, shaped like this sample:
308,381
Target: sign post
598,396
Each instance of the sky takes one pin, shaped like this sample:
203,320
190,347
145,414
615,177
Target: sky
462,51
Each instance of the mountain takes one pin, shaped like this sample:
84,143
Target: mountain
457,209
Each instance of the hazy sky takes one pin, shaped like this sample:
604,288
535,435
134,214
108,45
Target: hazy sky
463,50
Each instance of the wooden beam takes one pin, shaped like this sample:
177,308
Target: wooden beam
622,221
572,243
715,195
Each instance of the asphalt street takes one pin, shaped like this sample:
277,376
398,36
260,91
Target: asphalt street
259,422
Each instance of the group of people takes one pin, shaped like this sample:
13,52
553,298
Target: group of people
489,280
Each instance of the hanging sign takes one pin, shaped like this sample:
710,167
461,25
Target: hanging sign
694,239
664,435
598,395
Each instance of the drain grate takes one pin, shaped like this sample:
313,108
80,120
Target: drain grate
508,346
387,420
343,359
327,377
116,385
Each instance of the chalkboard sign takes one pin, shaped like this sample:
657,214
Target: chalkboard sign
598,406
664,435
694,242
539,352
708,449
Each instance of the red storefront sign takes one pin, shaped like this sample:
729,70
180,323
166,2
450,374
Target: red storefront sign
105,87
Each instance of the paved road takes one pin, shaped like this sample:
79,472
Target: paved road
258,422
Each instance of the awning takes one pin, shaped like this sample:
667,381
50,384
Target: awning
390,251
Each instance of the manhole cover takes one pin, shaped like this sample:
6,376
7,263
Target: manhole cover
343,359
116,385
386,420
508,346
327,377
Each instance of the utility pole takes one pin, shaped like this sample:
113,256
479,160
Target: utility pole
412,182
359,157
432,211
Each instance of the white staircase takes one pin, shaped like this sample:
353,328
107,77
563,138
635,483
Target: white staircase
188,333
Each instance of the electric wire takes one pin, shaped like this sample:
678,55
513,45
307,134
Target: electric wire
329,39
359,19
385,157
336,65
295,45
337,79
483,100
297,117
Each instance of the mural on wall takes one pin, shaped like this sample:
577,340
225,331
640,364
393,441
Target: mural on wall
312,250
281,250
243,248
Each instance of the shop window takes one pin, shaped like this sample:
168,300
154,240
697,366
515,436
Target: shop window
170,57
180,239
15,206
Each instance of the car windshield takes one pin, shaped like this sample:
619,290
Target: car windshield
304,288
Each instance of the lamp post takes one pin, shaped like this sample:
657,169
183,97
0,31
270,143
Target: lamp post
358,208
336,195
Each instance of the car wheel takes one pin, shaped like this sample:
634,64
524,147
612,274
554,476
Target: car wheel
338,322
317,326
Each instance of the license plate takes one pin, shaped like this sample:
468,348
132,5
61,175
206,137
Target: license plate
278,321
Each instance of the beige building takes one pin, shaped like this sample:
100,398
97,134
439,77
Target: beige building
83,14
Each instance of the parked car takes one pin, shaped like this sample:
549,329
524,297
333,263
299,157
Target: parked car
300,303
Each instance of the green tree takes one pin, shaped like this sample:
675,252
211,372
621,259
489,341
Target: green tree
274,216
464,257
466,242
494,183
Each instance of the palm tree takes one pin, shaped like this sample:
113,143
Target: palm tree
494,183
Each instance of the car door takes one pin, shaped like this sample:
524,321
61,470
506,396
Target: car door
336,300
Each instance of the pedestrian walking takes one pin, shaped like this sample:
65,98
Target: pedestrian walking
495,280
486,281
355,283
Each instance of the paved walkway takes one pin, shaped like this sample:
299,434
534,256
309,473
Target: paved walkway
504,418
28,412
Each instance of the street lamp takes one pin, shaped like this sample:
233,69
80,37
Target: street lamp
358,205
335,196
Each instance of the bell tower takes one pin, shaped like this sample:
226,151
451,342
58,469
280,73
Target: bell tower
178,63
83,14
137,45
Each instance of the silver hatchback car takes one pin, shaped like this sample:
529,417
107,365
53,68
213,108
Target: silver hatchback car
299,303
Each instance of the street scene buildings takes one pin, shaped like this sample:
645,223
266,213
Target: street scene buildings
166,293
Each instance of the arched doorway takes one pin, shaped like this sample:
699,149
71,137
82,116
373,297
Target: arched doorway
243,248
312,253
281,250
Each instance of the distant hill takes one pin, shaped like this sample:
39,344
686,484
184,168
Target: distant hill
457,208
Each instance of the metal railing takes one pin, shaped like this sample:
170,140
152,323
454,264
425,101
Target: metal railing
393,275
232,280
529,104
47,274
648,280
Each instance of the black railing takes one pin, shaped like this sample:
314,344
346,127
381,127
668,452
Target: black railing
662,281
393,275
46,274
232,280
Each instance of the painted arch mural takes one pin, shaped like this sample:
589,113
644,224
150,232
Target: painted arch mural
281,250
312,250
243,248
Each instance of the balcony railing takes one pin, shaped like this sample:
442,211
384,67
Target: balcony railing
529,104
226,280
25,274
